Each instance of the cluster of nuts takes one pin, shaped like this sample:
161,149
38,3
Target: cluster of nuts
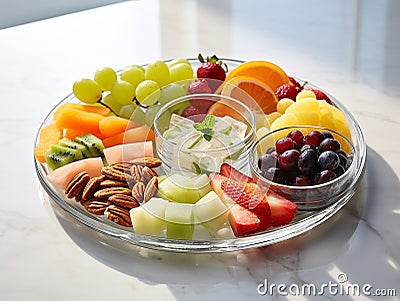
121,187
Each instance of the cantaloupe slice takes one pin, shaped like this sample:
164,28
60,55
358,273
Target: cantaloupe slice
127,152
64,174
139,134
101,110
48,136
79,120
113,125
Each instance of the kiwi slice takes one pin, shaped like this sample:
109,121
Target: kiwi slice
67,152
92,143
75,145
55,160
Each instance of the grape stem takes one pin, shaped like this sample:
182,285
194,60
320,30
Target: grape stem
105,105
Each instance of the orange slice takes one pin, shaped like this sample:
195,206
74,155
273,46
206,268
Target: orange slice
262,94
266,72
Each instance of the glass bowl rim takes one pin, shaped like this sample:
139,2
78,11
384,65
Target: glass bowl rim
165,107
257,171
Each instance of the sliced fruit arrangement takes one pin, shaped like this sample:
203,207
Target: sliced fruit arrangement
100,151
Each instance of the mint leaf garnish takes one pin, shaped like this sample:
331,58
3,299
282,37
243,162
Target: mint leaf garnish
227,130
197,168
206,127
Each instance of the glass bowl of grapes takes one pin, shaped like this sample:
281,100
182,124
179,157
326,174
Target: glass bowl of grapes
312,166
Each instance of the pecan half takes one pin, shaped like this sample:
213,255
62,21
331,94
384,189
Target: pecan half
148,173
115,174
124,200
112,183
91,187
138,191
77,184
136,173
118,215
107,192
151,189
96,206
147,161
123,166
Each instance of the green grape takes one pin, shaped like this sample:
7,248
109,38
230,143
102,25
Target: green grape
133,75
123,92
170,92
111,103
137,66
87,90
106,78
158,71
178,61
148,92
132,112
180,72
150,114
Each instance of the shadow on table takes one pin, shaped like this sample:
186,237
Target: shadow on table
318,247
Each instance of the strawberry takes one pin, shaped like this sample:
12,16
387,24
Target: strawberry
243,221
192,112
232,173
213,70
294,82
320,95
215,182
251,197
282,210
200,87
287,91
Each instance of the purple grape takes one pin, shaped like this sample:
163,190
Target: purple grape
327,135
288,160
266,161
284,144
328,160
324,176
313,138
308,161
302,180
329,144
297,137
343,159
339,170
275,174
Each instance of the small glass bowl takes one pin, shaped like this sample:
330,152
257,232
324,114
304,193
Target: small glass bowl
313,196
179,155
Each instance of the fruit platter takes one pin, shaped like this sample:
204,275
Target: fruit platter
199,155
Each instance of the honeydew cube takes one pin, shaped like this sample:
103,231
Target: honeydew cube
180,220
211,212
149,218
184,188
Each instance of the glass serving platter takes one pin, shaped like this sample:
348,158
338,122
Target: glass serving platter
303,221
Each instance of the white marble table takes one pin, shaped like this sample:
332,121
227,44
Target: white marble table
350,48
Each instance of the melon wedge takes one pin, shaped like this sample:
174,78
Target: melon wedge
127,152
138,134
101,110
64,174
113,125
48,136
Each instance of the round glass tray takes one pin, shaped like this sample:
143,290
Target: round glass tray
303,221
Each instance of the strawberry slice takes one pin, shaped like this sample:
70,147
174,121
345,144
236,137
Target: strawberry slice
282,210
232,173
243,221
251,197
